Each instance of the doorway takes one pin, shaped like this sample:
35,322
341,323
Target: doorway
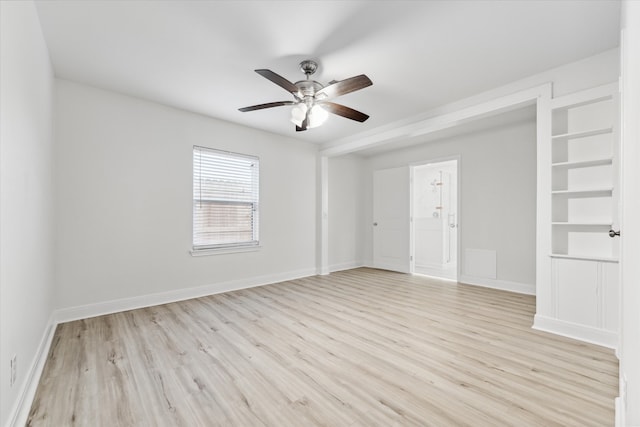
434,201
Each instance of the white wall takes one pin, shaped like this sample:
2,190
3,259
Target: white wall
497,193
630,232
124,182
346,210
26,197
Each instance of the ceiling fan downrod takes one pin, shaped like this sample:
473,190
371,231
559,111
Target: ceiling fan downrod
308,88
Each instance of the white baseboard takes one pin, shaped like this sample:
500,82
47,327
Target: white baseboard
573,330
323,271
504,285
115,306
20,411
345,266
389,267
440,273
619,405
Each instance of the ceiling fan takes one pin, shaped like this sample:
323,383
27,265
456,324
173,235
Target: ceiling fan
311,99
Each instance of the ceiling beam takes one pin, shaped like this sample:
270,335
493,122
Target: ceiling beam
404,131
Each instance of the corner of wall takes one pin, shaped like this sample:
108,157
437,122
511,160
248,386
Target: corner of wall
26,197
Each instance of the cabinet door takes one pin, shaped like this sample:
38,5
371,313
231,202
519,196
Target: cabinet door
576,284
610,296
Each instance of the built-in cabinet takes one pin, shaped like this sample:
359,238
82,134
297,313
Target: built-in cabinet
583,288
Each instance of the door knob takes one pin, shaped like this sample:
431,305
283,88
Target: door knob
613,233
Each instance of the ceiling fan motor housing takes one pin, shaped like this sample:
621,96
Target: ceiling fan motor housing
308,87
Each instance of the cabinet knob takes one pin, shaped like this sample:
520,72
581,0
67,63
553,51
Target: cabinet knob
613,233
375,224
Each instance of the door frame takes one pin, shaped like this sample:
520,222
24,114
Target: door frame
412,247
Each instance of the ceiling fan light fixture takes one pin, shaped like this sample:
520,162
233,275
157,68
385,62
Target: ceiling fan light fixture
317,116
298,113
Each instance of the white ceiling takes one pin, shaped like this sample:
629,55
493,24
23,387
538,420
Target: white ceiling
200,55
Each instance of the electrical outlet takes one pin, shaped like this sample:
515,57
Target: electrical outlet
14,370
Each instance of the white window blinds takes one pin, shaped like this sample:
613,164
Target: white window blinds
225,199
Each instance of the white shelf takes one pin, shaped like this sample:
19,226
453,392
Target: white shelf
589,96
582,134
585,257
591,192
583,164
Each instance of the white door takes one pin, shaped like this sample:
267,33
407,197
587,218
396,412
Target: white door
391,219
434,212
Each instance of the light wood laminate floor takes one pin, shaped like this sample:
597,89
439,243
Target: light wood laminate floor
355,348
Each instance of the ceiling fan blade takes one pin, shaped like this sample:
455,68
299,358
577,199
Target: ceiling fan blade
279,80
267,105
344,86
343,111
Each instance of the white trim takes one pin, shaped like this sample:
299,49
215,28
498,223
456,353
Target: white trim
412,225
630,214
323,271
224,250
585,258
587,96
389,267
437,277
619,411
589,334
504,285
436,273
21,407
124,304
323,241
543,203
345,266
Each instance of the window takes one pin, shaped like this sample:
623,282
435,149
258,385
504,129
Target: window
225,199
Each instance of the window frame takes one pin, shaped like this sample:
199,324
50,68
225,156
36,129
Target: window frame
253,201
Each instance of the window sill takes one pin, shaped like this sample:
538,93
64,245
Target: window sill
222,251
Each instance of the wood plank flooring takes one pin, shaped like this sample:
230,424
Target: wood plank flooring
357,348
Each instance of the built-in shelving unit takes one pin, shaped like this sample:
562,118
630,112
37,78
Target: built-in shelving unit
580,299
582,177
